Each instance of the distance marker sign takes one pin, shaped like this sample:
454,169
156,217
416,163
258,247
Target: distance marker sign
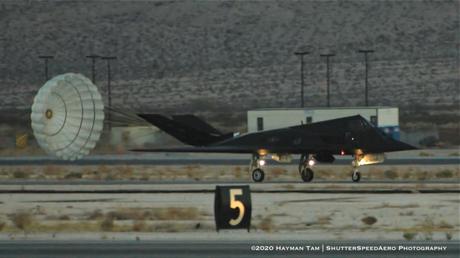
232,207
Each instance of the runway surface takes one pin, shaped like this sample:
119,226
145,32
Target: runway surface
214,182
187,160
218,248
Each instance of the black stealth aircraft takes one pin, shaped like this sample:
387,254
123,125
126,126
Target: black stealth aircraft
316,142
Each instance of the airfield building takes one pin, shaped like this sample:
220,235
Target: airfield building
385,118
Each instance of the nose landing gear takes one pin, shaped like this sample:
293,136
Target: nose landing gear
356,175
305,165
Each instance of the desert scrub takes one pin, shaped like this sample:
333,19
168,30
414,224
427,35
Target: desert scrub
324,220
391,174
277,172
96,214
266,224
138,214
139,226
446,173
238,172
74,175
425,154
369,220
19,174
409,235
107,224
455,154
22,220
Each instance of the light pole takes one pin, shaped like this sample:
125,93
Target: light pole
109,88
46,58
301,54
328,79
93,67
366,91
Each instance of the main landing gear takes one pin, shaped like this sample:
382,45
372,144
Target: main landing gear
258,174
305,165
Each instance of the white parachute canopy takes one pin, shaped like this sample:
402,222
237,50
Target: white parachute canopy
68,116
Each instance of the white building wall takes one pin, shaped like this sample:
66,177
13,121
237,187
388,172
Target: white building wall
328,114
279,118
388,117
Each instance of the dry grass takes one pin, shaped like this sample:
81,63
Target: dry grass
96,214
409,235
107,224
191,213
74,175
446,173
18,174
455,154
422,176
393,206
277,172
409,213
428,226
22,220
139,226
52,170
266,224
103,170
444,224
238,172
138,172
64,217
126,172
2,225
391,174
425,154
288,187
323,220
140,214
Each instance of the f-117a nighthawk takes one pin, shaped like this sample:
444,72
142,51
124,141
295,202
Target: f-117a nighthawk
316,142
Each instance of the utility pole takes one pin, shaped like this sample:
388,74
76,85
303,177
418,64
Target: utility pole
328,79
301,54
109,88
46,58
366,91
93,67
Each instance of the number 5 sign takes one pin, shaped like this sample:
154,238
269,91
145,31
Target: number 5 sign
232,207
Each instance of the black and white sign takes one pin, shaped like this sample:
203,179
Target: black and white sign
232,207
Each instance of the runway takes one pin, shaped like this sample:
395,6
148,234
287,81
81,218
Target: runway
214,182
220,248
198,160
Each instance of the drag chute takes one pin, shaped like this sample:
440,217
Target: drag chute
68,116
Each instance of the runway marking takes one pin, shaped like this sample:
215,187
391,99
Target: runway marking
312,191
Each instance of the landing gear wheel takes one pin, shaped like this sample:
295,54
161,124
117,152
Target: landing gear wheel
356,176
258,175
307,174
